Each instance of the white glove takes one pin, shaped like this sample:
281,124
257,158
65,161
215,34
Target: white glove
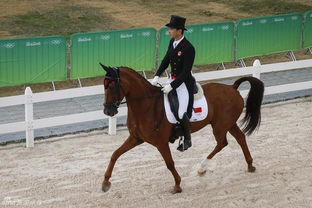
155,80
166,89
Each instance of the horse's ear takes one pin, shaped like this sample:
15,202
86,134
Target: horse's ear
107,69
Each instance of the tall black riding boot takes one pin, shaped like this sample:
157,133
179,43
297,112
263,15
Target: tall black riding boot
187,143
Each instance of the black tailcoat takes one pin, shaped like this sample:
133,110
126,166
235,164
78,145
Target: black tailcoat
181,59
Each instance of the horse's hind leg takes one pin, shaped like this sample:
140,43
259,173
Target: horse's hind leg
166,154
126,146
220,136
240,138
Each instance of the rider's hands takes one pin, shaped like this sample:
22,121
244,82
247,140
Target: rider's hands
155,80
166,89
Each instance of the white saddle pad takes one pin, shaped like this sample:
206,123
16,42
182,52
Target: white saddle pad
200,106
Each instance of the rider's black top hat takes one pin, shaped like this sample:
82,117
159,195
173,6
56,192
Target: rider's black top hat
177,22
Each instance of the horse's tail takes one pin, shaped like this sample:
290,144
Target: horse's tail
252,117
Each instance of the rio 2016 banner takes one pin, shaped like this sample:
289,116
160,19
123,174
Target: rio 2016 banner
43,59
307,32
266,35
134,48
32,60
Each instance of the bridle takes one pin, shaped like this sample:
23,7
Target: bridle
117,88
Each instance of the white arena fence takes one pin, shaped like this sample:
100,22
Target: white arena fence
29,98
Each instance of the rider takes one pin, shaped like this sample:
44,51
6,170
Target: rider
180,55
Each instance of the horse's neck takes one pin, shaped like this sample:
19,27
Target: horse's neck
136,86
141,95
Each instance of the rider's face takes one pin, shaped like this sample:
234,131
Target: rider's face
174,33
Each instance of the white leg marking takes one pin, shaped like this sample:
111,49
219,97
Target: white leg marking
203,166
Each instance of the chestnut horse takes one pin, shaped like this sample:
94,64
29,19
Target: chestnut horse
147,122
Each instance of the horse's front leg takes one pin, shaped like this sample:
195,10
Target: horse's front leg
126,146
166,154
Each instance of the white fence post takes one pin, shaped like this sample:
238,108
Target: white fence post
29,117
257,70
112,125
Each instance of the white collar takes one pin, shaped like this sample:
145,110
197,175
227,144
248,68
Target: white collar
178,41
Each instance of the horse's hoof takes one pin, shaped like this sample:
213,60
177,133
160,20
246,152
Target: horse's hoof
106,186
201,172
176,190
252,169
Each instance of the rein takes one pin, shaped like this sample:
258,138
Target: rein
118,88
141,98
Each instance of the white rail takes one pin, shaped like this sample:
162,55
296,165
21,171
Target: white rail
30,98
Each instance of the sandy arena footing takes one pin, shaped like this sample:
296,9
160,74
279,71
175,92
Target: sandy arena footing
68,171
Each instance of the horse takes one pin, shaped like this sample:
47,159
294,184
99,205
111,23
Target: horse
147,122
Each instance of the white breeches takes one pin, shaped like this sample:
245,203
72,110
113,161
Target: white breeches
183,97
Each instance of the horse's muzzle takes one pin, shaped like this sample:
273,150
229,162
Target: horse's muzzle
110,111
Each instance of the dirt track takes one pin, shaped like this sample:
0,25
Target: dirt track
67,171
